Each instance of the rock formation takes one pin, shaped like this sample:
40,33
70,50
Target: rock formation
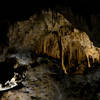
51,34
79,49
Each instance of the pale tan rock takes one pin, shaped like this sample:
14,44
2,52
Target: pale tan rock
52,34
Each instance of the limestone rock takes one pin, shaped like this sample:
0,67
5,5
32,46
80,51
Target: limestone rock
52,34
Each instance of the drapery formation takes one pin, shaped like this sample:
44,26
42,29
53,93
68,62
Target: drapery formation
53,35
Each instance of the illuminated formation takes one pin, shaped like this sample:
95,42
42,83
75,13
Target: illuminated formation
52,34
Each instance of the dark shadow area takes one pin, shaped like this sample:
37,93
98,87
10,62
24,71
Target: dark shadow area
7,70
17,11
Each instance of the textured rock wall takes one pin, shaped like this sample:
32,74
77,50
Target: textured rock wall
52,34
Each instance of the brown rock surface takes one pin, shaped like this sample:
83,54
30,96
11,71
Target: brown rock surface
51,34
38,84
45,81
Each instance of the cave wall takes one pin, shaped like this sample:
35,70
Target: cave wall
82,14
